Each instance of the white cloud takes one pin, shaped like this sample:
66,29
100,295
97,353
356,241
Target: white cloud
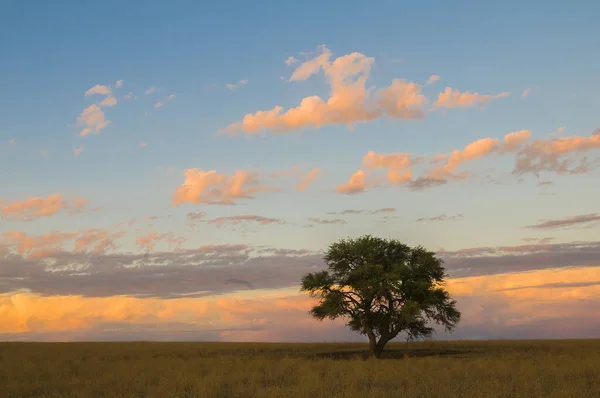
150,90
290,61
164,101
233,86
119,84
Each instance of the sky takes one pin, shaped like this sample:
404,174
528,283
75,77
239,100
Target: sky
171,171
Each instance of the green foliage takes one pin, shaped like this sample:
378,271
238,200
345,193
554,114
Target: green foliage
383,287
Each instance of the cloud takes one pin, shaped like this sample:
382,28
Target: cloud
306,179
119,84
108,101
327,221
353,211
36,207
539,240
400,166
150,240
566,222
452,98
198,215
290,61
12,142
355,185
93,118
98,89
170,97
40,265
210,187
239,84
143,144
526,92
557,155
503,259
150,90
129,96
432,79
50,245
78,150
442,217
244,218
350,102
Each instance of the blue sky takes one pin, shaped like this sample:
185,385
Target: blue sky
541,53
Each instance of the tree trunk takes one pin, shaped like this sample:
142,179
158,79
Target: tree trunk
372,342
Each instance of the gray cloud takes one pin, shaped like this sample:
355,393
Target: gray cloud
219,269
504,259
442,217
566,222
205,271
556,285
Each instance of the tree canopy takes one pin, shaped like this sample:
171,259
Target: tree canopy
383,287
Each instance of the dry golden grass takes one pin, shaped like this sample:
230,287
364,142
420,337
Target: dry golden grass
567,368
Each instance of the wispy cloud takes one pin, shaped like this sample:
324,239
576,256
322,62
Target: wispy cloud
290,61
432,79
583,219
354,211
452,98
244,218
442,217
240,83
78,150
170,97
526,92
327,221
150,90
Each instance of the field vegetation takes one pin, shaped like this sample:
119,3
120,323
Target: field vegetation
551,368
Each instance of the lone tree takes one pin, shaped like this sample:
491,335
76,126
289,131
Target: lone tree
383,287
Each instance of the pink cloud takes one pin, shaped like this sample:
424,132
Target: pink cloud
432,79
150,240
210,187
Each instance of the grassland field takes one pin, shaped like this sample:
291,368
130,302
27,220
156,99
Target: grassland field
545,368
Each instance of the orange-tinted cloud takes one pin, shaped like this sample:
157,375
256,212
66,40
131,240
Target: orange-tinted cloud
356,184
400,165
432,79
41,246
36,207
98,89
108,101
350,102
210,187
451,98
149,241
506,305
306,179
